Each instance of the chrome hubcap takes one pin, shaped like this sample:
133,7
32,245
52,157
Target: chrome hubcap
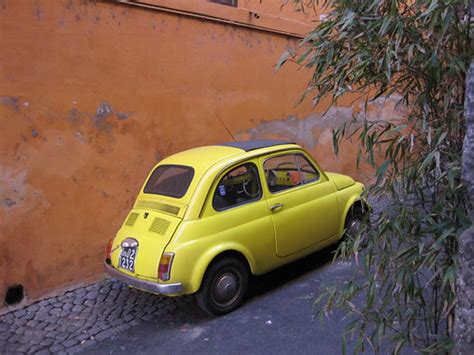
354,227
226,288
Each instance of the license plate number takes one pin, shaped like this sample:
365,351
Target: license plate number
127,258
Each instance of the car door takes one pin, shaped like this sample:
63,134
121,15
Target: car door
301,200
236,216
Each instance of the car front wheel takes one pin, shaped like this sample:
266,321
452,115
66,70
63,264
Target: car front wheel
354,224
224,286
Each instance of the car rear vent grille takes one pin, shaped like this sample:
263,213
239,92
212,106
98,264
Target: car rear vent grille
158,206
159,226
131,219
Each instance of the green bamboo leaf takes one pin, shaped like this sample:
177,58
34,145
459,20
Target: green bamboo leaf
380,174
428,160
282,60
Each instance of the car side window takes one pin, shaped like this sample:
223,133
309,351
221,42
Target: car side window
239,186
307,171
289,170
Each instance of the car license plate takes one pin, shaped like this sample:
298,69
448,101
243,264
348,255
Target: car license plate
127,258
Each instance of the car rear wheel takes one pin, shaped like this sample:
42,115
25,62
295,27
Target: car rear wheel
224,286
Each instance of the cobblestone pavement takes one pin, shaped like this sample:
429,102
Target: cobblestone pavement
72,322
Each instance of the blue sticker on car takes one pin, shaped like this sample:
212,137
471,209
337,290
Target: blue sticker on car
222,190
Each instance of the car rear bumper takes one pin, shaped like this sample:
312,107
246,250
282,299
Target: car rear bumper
154,287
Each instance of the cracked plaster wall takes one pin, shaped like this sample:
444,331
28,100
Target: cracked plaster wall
92,94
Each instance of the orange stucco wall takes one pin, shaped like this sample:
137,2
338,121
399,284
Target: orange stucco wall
92,94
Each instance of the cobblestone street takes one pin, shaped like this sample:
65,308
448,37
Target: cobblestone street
78,319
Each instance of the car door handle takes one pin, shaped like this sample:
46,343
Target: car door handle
275,207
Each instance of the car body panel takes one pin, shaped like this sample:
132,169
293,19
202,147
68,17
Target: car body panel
152,230
312,217
340,181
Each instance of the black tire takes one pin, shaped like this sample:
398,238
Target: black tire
224,286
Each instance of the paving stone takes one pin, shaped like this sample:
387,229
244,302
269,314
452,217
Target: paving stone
116,322
9,318
134,322
92,295
83,336
56,347
29,315
3,327
47,342
77,308
41,325
82,346
24,339
105,334
19,330
33,308
55,311
21,321
43,352
78,301
42,315
93,331
61,336
70,342
4,335
34,349
51,327
80,291
89,322
101,298
79,323
32,323
67,306
44,303
122,327
22,348
148,317
20,313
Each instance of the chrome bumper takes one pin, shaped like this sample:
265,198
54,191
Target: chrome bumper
154,287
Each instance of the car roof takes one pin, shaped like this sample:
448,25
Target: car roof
202,158
258,144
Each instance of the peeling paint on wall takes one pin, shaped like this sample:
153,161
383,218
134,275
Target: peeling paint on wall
317,128
302,131
8,202
100,118
10,101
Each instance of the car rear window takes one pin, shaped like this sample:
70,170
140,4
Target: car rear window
170,180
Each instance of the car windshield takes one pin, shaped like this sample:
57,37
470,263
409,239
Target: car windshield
170,180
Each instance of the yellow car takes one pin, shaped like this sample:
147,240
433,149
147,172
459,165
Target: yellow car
208,217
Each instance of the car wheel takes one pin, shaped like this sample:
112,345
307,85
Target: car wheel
354,224
224,286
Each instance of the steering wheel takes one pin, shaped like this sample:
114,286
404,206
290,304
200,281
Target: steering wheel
244,187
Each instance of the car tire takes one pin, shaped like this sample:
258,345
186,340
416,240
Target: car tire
224,286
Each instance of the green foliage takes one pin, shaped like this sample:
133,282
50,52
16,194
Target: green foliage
416,52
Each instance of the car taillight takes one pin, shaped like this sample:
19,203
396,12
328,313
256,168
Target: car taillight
164,269
108,250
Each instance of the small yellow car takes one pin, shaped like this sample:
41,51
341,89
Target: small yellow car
207,218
